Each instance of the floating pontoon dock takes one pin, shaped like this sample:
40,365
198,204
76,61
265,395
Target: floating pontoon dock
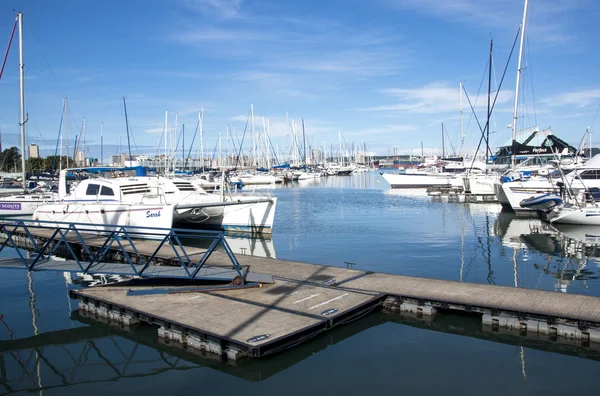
303,300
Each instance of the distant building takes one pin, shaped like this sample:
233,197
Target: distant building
33,151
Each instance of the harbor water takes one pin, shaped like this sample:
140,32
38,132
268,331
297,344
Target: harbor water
47,347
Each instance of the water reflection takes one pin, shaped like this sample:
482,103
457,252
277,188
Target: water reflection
97,354
570,252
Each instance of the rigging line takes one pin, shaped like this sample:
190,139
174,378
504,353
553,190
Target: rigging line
28,27
45,59
499,86
192,145
12,35
477,97
58,140
594,119
237,160
532,84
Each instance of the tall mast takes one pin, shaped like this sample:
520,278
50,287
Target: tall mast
514,125
83,149
66,107
227,135
101,143
443,148
60,155
201,120
219,155
304,142
127,128
489,104
174,142
166,136
22,91
462,129
253,136
340,142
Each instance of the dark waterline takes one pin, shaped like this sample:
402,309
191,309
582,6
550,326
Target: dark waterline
339,219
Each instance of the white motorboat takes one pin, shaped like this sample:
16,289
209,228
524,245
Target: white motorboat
152,201
511,193
309,175
422,179
249,179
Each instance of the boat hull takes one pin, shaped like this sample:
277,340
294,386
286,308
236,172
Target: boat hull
106,217
589,215
481,184
251,217
415,180
23,205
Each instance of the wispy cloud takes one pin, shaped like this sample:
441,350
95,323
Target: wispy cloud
155,130
546,21
385,129
578,99
211,34
280,84
433,98
223,9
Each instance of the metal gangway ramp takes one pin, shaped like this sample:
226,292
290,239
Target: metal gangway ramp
144,252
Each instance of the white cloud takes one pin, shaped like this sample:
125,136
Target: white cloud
280,84
546,19
578,99
430,99
155,130
223,9
206,34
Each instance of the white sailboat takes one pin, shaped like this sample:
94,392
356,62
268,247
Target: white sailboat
22,204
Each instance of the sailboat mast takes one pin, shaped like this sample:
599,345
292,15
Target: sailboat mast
462,129
101,143
166,136
489,104
304,143
340,141
66,107
253,137
22,91
83,149
201,120
443,148
127,128
514,125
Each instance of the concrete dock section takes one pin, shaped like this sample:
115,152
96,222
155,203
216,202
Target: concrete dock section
233,323
285,302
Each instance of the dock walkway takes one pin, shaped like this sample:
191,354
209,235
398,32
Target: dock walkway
307,299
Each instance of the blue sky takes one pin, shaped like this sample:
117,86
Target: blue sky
383,71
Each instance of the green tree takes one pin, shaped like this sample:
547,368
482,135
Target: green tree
35,164
51,163
10,160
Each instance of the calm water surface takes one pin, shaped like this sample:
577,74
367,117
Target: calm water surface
46,347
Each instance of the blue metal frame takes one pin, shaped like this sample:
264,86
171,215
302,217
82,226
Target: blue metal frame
119,235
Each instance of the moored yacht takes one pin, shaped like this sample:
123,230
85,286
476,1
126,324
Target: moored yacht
152,201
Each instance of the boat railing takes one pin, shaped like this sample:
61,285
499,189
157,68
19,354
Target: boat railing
160,193
81,248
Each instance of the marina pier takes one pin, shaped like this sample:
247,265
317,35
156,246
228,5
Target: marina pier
279,303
